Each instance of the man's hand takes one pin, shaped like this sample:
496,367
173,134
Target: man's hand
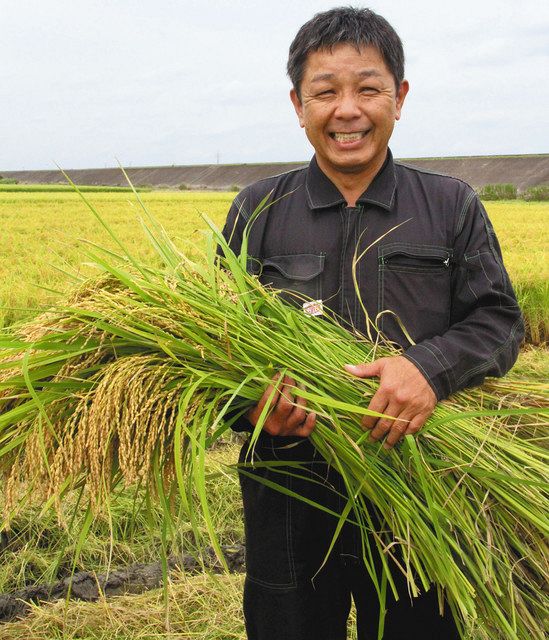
403,393
287,416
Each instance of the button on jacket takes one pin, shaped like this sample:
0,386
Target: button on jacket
416,259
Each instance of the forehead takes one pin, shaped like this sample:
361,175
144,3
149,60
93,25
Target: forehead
344,59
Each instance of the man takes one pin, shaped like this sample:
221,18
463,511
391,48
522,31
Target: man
430,278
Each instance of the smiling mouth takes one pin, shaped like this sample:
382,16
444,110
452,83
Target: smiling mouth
348,137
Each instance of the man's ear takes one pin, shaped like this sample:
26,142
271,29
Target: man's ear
401,95
297,106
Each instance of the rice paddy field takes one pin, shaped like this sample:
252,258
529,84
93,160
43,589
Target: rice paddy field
41,233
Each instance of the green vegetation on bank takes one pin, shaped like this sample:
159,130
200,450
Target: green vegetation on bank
498,192
504,191
508,191
539,193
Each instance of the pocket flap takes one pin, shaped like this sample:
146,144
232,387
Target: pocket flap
302,266
414,254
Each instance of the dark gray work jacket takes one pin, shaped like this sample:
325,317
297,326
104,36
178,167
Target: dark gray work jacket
428,254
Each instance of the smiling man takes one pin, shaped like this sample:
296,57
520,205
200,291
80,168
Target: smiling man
348,102
430,279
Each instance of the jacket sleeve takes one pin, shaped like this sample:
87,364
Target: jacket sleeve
486,326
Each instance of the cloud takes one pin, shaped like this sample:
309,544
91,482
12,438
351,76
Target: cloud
165,82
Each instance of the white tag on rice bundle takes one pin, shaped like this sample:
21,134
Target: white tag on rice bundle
313,307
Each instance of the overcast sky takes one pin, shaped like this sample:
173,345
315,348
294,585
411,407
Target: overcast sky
83,82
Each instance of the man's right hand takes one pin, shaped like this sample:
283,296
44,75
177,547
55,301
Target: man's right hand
287,415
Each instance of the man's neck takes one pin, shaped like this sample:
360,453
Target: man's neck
353,184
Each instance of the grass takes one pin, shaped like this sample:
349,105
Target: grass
538,193
197,336
202,607
504,191
532,363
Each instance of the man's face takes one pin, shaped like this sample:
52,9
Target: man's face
348,107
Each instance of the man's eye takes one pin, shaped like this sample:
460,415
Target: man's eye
368,90
326,92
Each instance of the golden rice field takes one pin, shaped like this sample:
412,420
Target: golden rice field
40,234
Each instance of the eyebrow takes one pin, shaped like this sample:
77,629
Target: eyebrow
365,73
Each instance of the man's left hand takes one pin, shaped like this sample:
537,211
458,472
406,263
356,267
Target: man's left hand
403,393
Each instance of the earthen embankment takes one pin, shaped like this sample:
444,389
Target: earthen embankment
523,171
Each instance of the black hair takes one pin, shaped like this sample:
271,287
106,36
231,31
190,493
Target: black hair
345,25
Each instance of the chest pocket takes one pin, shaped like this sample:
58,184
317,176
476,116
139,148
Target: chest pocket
296,277
414,283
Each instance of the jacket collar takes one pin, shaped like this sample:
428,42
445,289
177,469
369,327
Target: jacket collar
322,192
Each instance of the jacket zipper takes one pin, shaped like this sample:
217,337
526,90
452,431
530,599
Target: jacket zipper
433,259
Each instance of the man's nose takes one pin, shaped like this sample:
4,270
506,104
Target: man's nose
348,106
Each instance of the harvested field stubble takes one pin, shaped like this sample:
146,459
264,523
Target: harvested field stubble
203,607
206,607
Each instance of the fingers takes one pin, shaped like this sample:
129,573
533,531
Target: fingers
393,429
395,432
415,425
270,396
397,423
287,414
364,370
404,395
378,404
386,426
297,414
404,427
306,428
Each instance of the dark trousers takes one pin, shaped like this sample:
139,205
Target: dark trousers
287,595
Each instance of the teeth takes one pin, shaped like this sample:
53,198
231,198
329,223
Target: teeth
348,137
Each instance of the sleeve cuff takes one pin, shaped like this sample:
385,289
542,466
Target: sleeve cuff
432,363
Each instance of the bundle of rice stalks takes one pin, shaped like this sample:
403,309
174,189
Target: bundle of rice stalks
141,370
